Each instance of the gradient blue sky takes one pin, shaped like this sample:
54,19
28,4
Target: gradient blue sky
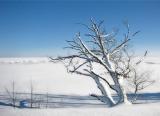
41,28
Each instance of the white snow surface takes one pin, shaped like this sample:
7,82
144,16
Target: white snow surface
53,78
45,76
122,110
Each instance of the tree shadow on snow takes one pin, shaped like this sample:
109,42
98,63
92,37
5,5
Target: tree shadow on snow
73,101
143,98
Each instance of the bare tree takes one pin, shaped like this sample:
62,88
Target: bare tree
12,94
31,94
104,50
47,100
140,81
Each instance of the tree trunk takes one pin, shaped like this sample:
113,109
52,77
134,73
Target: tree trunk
107,98
119,87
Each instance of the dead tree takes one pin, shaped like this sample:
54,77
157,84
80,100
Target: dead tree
104,50
140,81
47,100
31,95
12,94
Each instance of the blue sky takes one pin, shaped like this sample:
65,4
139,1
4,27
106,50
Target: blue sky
41,28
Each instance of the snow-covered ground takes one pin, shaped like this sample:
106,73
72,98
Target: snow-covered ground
54,79
45,76
137,110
